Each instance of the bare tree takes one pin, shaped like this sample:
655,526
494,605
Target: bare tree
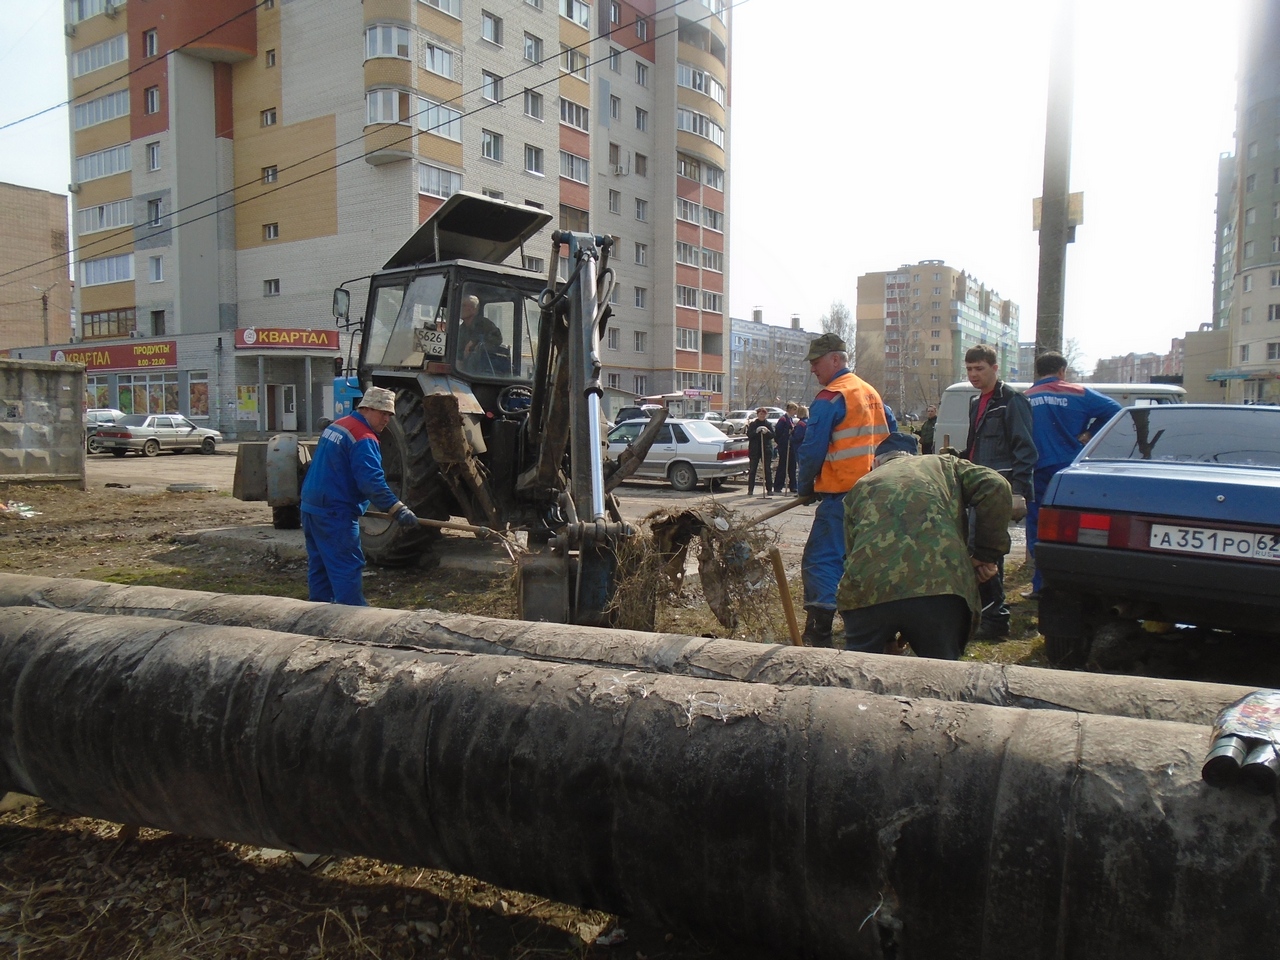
760,379
839,320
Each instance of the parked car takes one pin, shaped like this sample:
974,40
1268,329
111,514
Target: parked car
684,452
1172,514
717,420
739,418
149,433
641,412
94,418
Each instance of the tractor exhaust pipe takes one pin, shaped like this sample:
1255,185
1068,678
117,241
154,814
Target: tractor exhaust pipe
811,821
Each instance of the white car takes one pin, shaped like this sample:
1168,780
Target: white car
684,452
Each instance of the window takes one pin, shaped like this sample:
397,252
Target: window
687,253
1273,351
639,341
386,40
571,218
102,109
714,177
642,29
491,145
611,338
641,382
642,74
614,380
1244,353
157,327
1246,315
100,55
105,216
387,106
1252,150
688,211
686,296
615,201
713,260
1250,182
1250,216
150,44
573,61
615,108
106,270
1275,210
642,253
688,168
151,100
451,7
1273,311
574,167
153,156
532,159
438,119
1248,284
268,4
490,86
532,48
642,297
155,269
537,4
615,11
642,209
686,339
108,323
153,213
491,27
642,119
438,60
690,76
712,302
271,288
642,165
1275,278
270,174
536,264
267,117
575,115
1249,247
615,156
700,125
1275,244
492,194
713,219
105,163
935,348
438,182
271,231
615,59
533,104
577,11
269,58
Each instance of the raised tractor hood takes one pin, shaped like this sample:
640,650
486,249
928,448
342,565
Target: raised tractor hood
469,226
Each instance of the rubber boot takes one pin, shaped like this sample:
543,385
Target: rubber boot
817,628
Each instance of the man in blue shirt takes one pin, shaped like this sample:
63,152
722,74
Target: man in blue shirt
1064,416
345,474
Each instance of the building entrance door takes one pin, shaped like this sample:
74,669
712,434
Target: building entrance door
289,407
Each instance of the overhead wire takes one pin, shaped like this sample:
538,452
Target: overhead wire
160,231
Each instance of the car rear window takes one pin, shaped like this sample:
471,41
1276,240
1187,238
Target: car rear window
1243,436
134,420
702,430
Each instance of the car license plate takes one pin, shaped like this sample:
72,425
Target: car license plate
1217,543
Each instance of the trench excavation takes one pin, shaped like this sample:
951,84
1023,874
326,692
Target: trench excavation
814,821
993,684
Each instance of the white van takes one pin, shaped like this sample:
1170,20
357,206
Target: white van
953,412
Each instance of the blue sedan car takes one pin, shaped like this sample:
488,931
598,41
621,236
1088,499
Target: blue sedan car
1171,513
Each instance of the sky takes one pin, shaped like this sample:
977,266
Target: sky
869,135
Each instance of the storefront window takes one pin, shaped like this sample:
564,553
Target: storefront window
149,392
97,392
198,393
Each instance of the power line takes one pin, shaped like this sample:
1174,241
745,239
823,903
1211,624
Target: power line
92,246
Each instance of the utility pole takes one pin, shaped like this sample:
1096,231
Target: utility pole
1056,230
44,314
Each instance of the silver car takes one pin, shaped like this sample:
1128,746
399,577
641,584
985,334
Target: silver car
149,433
684,452
94,419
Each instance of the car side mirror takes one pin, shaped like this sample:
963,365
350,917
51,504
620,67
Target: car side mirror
341,303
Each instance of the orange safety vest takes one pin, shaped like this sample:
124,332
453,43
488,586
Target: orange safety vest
855,438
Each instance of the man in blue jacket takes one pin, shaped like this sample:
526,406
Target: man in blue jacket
345,474
1064,417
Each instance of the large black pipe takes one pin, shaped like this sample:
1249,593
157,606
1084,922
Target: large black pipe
994,684
812,821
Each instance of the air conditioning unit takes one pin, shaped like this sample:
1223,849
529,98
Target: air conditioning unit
620,170
109,9
69,29
73,339
73,188
135,334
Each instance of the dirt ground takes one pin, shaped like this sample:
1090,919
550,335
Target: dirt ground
72,887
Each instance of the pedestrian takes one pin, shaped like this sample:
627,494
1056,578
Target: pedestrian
1064,416
760,448
910,574
783,431
797,440
1000,437
928,427
846,423
344,476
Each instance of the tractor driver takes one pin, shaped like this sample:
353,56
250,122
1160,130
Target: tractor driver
480,336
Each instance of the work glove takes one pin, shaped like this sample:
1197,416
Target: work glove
406,517
1019,506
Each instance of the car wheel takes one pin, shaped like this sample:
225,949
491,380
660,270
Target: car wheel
93,445
287,517
151,448
683,477
118,453
208,445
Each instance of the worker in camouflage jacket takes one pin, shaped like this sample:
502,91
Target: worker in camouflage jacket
909,576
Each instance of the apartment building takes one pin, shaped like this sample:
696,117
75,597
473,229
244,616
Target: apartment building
234,162
915,323
767,363
35,299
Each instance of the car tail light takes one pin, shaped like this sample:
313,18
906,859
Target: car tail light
437,367
118,432
1087,529
728,455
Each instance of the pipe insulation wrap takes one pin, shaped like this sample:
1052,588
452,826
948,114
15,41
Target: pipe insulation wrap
781,817
995,684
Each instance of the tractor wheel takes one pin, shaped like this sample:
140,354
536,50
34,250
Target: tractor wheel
414,477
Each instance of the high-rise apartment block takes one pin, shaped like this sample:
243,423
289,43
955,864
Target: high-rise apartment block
1246,302
235,161
915,323
35,301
